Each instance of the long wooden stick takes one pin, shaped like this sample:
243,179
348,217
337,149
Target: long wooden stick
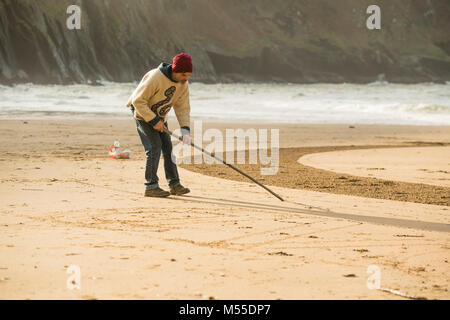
224,162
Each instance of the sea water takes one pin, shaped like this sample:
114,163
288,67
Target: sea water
375,103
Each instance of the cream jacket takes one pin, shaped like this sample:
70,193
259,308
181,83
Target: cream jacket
156,94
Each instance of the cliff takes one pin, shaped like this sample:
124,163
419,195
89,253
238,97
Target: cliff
301,41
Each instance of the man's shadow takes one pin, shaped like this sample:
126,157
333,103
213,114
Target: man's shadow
315,211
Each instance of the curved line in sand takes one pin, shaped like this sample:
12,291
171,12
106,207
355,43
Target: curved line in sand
420,165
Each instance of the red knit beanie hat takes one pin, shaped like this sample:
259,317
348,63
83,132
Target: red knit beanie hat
182,63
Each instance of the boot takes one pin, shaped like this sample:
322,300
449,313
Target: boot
158,193
179,190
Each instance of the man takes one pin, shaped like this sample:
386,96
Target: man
160,90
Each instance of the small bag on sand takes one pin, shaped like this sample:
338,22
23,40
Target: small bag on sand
115,153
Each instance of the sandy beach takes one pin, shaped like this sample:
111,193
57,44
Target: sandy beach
357,198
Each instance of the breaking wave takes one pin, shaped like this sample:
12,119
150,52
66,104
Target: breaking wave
376,103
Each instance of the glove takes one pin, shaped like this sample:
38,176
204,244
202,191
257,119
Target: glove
187,139
186,136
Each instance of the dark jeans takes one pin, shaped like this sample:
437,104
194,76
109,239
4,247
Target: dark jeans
154,142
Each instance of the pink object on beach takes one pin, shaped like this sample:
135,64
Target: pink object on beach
123,155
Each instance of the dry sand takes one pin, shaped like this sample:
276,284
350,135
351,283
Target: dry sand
64,203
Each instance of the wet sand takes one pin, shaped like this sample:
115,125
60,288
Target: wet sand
293,173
